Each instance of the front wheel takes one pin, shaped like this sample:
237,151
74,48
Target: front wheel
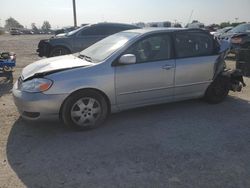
217,91
84,110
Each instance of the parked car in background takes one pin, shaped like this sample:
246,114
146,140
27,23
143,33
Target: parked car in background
15,31
241,45
65,30
212,28
27,32
78,40
7,61
240,41
240,29
220,32
195,25
126,70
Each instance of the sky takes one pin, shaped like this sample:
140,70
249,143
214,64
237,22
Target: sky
59,12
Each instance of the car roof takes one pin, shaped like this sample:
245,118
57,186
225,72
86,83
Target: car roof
114,24
161,29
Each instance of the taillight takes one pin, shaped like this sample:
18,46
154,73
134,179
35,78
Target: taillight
236,40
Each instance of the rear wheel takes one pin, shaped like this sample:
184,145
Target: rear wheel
84,110
218,90
57,51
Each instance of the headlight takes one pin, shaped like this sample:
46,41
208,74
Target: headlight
36,85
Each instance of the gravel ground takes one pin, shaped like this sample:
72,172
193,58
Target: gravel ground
182,145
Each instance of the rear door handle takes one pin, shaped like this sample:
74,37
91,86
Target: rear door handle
167,67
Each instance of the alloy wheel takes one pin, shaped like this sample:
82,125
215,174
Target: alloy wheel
86,111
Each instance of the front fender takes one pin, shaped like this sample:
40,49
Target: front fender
63,43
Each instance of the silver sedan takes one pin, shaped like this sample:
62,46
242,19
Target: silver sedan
127,70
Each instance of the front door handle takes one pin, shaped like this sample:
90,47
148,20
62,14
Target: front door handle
167,67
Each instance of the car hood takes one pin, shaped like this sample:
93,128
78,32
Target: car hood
59,36
227,35
54,64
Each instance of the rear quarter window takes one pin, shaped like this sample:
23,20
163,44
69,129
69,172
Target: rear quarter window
116,29
193,45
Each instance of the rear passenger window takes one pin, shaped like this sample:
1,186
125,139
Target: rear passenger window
193,45
114,29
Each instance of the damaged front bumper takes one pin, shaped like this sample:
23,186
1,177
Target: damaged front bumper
34,106
235,80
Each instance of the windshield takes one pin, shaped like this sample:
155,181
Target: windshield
240,29
104,48
75,31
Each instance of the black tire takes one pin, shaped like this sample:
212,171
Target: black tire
57,51
218,90
7,69
76,109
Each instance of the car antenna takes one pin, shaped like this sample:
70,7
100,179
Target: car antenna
190,17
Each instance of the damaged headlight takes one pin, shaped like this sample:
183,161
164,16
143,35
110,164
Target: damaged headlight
36,85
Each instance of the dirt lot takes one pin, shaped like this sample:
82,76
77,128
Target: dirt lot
187,144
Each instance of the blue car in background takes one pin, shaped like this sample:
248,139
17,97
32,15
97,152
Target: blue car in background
7,61
79,39
239,37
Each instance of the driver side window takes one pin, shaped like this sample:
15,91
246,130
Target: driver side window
153,48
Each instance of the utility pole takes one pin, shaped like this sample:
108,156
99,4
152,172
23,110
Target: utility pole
74,12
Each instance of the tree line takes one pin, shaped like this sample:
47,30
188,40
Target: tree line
13,23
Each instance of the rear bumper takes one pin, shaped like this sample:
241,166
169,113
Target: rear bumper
37,106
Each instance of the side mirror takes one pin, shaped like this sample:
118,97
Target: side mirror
127,59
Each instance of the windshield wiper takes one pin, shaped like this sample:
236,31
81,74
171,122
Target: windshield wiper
87,58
